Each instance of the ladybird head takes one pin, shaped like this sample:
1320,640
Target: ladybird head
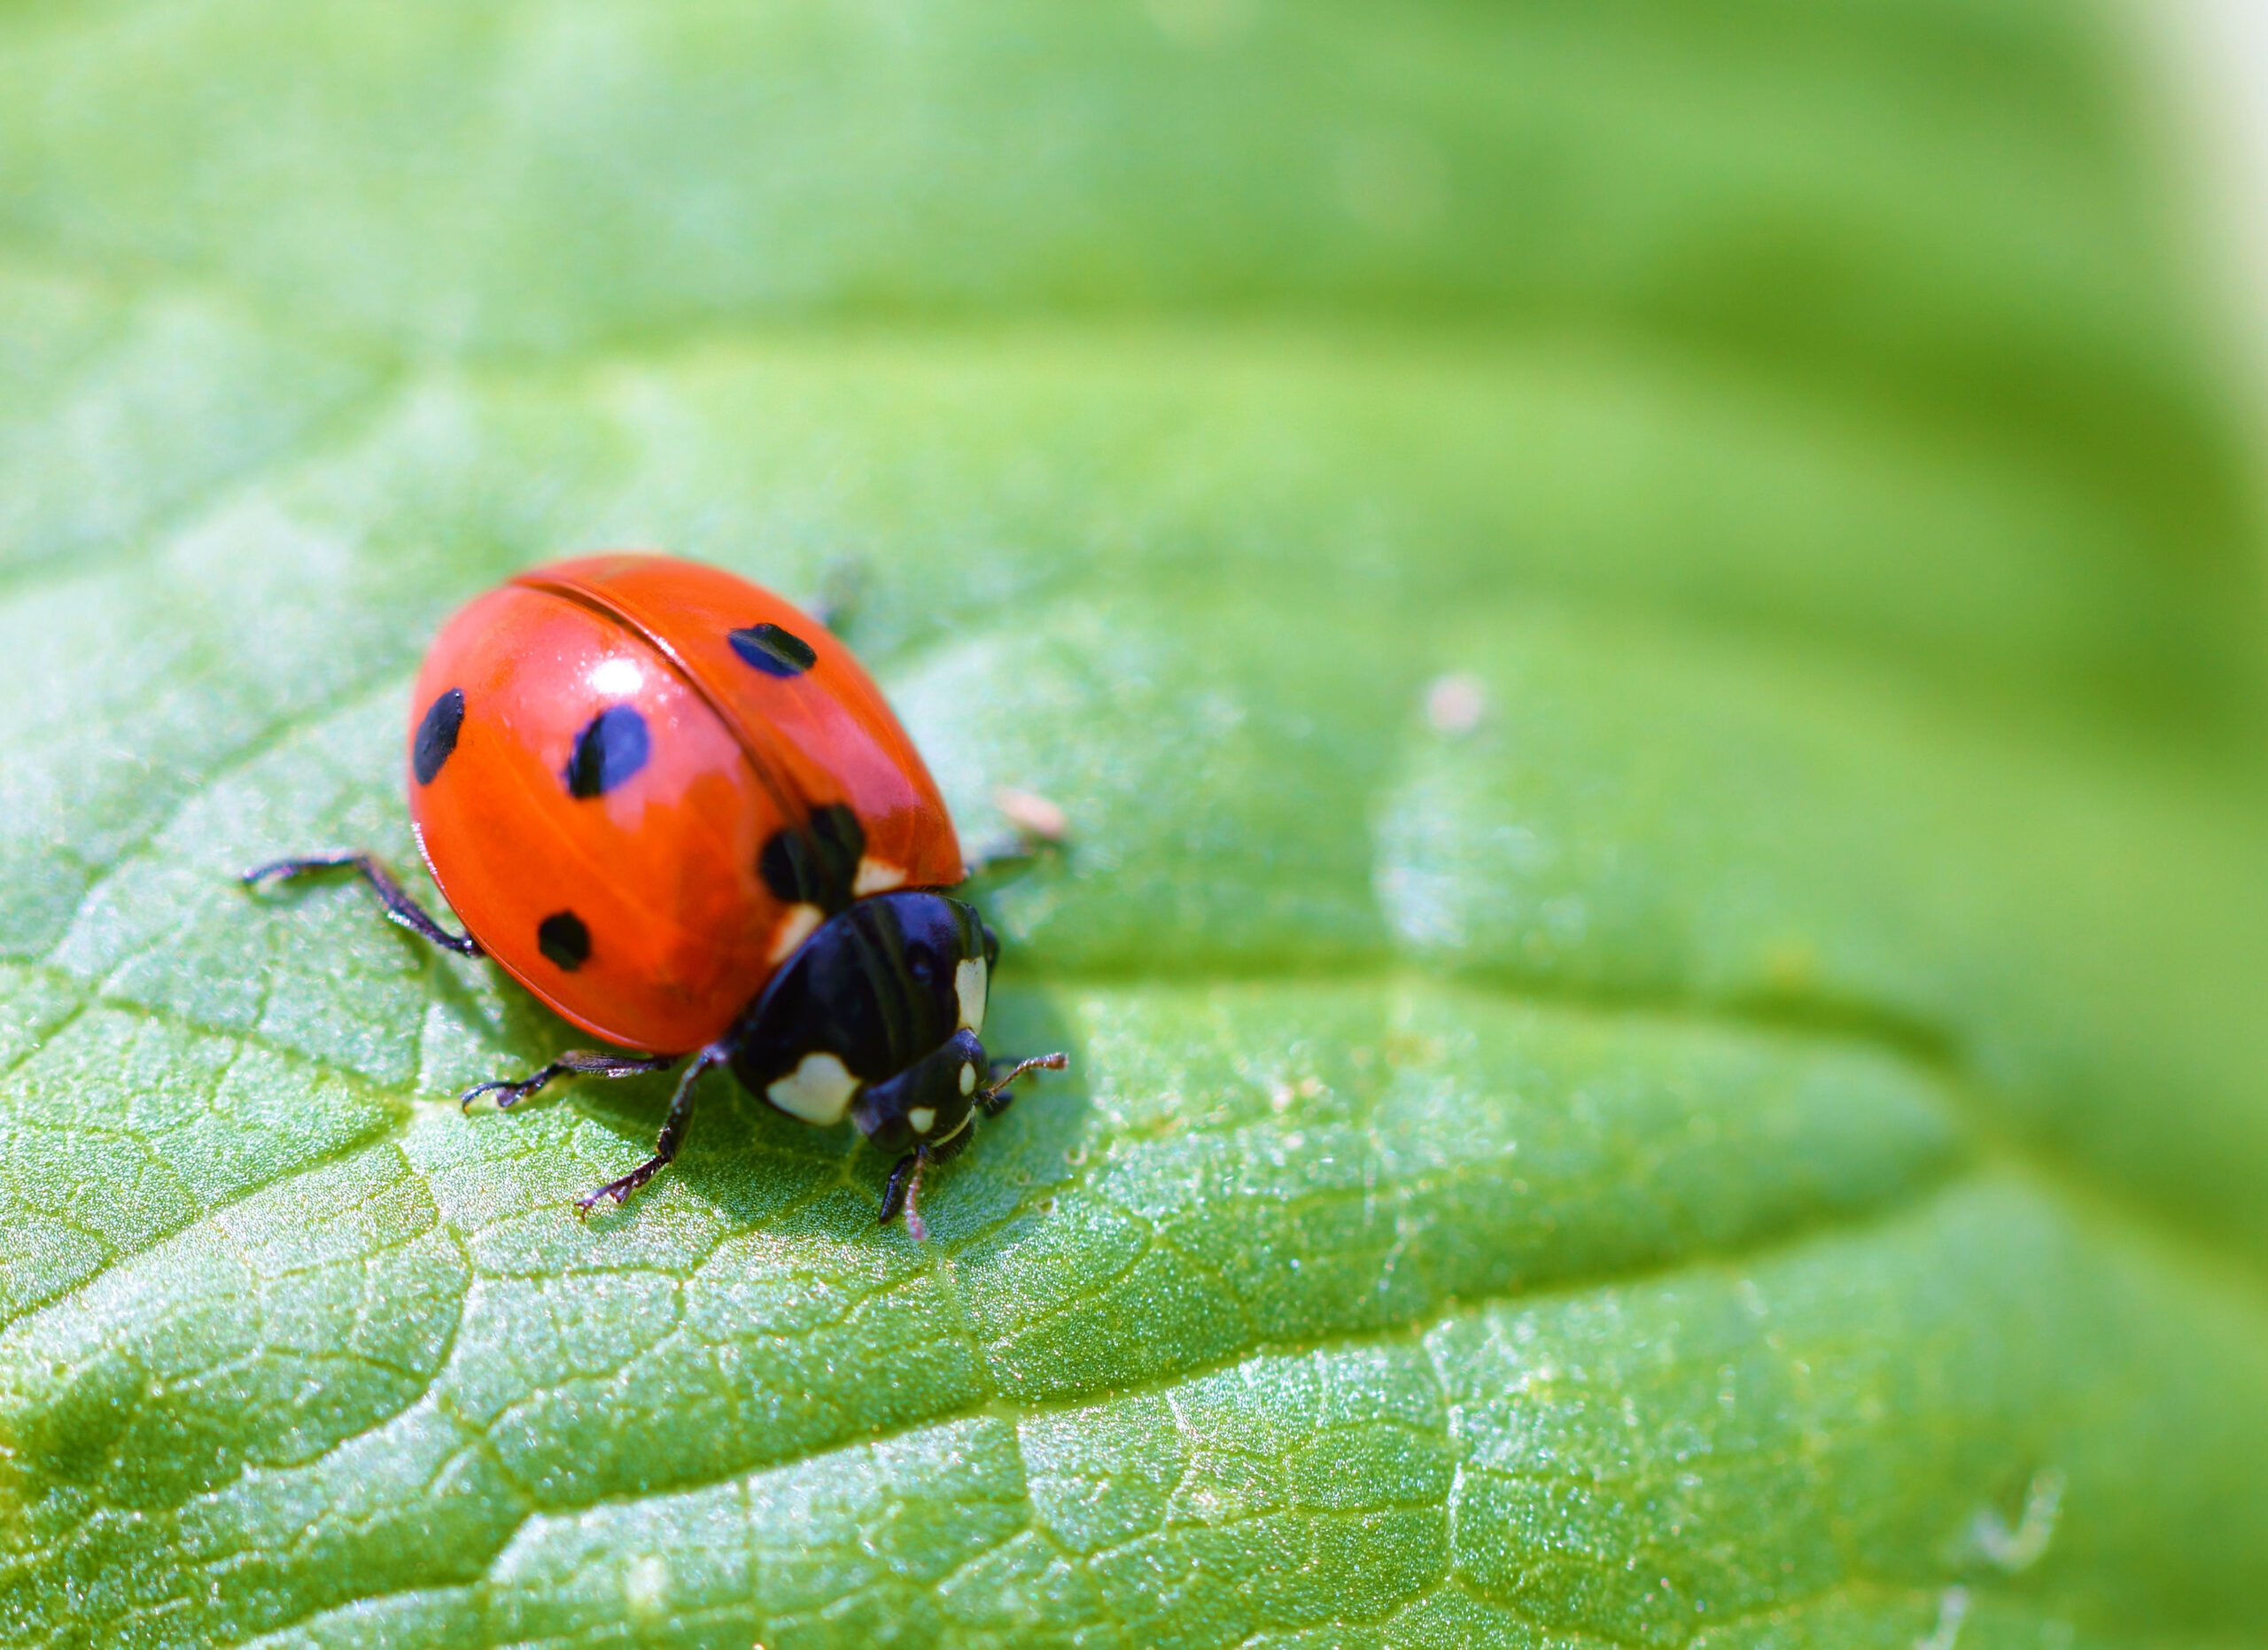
928,1103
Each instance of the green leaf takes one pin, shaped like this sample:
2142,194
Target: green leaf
1741,1127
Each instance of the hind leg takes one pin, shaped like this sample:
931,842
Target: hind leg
574,1062
391,893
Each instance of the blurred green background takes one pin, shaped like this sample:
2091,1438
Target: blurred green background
1647,615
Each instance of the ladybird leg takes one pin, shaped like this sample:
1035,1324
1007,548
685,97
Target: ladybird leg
996,1098
391,894
672,1134
1037,828
574,1062
904,1188
894,1193
1003,853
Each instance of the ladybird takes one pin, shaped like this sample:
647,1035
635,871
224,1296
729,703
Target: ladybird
676,809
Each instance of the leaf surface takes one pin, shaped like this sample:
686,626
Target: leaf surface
1743,1124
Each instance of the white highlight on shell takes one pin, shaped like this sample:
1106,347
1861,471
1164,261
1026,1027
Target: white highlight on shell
617,678
817,1091
794,929
967,1078
921,1117
876,876
970,980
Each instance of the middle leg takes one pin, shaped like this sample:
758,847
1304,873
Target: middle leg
666,1143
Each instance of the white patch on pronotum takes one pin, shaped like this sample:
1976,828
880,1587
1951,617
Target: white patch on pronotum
967,1078
817,1091
876,876
794,929
921,1117
969,985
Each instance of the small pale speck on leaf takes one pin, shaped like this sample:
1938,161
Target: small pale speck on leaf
1033,816
2014,1550
1455,704
1953,1609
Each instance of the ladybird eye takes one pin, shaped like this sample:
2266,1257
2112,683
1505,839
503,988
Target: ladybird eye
611,747
436,734
774,651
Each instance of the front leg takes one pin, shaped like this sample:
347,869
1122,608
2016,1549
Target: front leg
994,1098
904,1186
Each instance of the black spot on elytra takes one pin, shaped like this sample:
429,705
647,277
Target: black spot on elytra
436,734
609,750
818,864
563,937
774,651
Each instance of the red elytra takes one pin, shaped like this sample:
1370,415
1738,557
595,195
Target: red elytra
659,869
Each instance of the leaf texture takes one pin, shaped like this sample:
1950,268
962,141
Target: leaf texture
1749,1133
